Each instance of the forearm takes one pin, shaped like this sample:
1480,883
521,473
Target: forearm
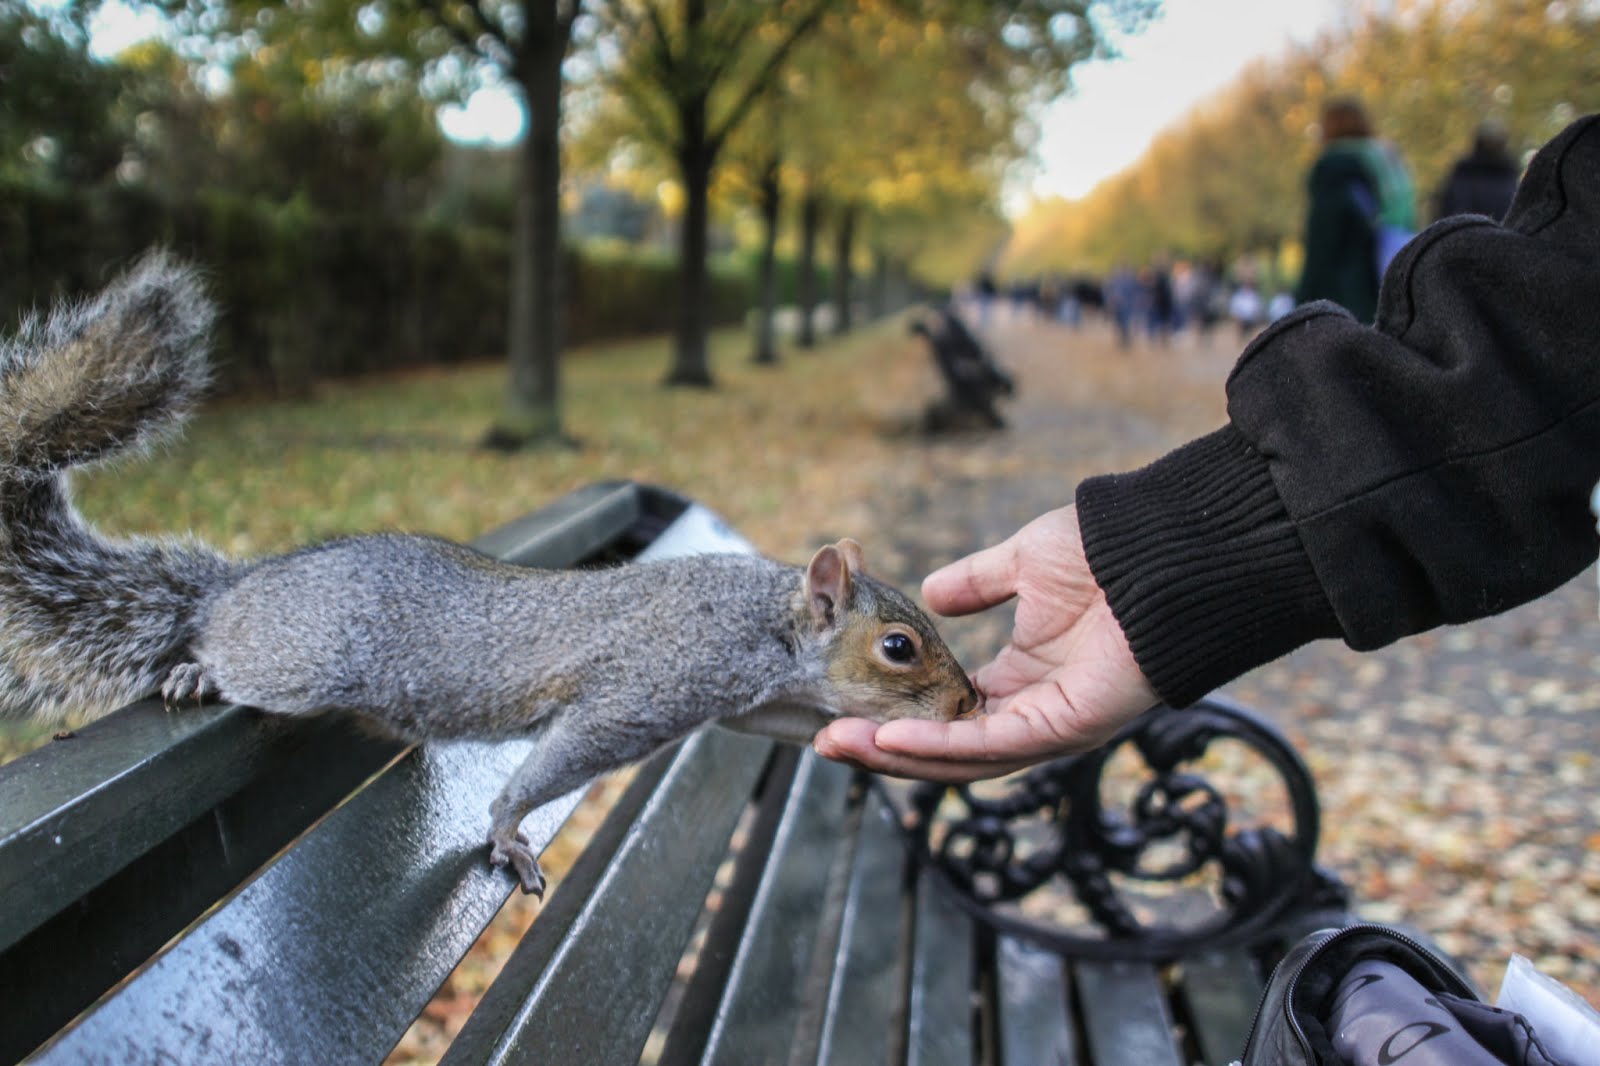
1375,482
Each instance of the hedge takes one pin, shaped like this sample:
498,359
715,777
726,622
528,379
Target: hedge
308,296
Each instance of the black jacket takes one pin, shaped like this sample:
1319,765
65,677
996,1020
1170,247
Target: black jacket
1373,482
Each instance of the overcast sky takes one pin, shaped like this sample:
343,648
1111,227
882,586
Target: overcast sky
1194,49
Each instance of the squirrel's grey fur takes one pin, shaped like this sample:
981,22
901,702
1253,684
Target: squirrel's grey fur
432,639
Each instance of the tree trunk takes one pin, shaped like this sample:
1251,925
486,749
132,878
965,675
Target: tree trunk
532,413
880,283
843,238
810,221
771,204
690,365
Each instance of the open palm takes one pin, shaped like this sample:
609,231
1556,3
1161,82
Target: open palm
1065,683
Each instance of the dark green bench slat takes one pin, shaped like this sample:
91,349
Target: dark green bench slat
751,1016
1125,1014
568,530
1220,991
865,1008
939,1017
124,919
586,982
76,811
1036,1026
719,950
336,946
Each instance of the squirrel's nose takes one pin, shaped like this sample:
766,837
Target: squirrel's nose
969,705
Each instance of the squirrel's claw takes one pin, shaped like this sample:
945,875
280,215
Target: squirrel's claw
520,857
186,680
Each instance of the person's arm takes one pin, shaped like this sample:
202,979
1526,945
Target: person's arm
1371,483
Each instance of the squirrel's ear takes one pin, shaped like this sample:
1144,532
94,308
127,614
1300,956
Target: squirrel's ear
828,584
853,558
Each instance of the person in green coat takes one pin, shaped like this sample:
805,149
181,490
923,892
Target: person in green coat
1361,202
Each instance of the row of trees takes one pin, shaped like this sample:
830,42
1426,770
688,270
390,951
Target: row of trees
1228,181
894,120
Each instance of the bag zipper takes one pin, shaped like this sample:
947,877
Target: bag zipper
1461,988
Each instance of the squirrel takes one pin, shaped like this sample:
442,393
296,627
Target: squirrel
428,638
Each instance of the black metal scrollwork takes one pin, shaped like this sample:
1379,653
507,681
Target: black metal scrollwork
1176,826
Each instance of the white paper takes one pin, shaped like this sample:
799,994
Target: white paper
1568,1027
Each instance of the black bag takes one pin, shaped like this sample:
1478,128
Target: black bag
1368,995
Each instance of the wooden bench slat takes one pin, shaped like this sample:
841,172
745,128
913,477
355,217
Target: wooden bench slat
752,1016
865,1011
77,811
1036,1027
1125,1015
125,919
586,982
406,855
1220,989
567,531
939,1030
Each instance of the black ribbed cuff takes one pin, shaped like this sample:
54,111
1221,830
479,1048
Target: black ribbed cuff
1201,565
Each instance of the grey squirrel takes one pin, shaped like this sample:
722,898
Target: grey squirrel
430,639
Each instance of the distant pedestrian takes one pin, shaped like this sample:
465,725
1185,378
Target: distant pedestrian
1244,307
1482,181
1124,300
1361,202
1162,305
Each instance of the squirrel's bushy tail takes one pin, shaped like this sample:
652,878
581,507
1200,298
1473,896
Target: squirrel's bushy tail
87,623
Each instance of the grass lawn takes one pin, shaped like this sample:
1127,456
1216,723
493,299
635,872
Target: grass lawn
770,449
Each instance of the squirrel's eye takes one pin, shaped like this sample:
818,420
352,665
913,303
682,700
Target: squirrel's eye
899,648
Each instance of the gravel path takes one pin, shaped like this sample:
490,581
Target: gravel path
1457,769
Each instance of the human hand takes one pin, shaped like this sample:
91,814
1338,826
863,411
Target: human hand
1066,683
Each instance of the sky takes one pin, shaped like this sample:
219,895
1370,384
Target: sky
1196,47
1193,49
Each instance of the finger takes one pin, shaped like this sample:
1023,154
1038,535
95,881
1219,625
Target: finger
975,583
846,739
1031,726
849,740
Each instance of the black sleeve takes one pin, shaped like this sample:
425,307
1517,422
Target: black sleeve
1375,482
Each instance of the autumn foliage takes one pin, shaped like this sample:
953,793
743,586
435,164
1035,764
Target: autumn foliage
1228,180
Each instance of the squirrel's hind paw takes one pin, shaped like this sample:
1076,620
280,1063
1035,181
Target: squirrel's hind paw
514,850
186,681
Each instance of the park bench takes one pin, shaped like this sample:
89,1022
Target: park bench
973,381
217,885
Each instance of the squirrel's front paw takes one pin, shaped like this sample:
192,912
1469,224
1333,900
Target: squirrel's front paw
186,681
513,849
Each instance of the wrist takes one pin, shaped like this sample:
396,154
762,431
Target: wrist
1201,566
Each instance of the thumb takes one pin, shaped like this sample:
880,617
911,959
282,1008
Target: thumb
975,583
